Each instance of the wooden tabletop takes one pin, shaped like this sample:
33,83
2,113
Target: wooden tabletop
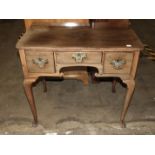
60,37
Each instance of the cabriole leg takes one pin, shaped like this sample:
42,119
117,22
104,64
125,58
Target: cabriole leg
29,94
114,85
44,85
130,89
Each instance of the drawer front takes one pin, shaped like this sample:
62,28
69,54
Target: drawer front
39,61
78,57
118,62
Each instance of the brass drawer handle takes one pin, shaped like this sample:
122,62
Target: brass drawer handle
79,56
40,62
118,63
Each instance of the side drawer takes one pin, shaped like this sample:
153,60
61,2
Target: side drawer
118,62
78,57
39,61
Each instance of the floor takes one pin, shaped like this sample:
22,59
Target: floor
69,107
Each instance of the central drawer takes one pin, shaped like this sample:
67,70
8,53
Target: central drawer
81,57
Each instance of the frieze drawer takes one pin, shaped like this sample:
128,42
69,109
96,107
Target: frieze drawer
118,62
39,61
80,57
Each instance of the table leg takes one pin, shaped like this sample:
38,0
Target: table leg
130,89
29,94
93,78
44,85
114,85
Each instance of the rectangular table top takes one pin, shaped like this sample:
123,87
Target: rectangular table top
82,38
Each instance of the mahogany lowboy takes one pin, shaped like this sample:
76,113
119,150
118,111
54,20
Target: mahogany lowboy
45,51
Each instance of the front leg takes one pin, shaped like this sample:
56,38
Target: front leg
29,94
130,89
114,85
44,85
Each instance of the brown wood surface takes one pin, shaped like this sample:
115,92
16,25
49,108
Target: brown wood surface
66,57
29,94
34,68
79,38
79,73
30,22
130,90
110,23
109,56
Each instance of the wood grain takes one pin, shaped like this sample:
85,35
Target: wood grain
29,94
130,89
110,23
66,57
109,56
30,22
77,38
30,55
